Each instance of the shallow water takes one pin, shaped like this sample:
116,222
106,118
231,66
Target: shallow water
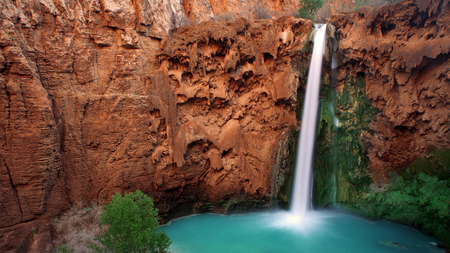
279,232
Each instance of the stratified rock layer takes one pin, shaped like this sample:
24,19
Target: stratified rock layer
101,97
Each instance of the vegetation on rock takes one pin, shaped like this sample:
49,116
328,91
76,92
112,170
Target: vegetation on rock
309,8
422,202
64,249
342,172
418,195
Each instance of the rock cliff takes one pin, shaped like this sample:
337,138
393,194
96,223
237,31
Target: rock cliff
383,147
98,97
104,96
401,50
207,10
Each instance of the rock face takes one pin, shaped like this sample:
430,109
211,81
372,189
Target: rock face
101,97
386,154
402,52
106,96
207,10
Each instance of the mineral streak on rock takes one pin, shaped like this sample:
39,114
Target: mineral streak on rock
98,97
402,50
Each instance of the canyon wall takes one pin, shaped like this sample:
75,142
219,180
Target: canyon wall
223,10
383,150
101,96
98,97
402,50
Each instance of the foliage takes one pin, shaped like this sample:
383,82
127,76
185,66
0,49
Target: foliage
422,202
419,196
63,249
434,164
133,225
309,8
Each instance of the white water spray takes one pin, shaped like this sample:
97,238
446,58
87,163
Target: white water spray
301,197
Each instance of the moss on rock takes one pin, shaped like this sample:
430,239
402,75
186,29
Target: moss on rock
418,196
341,169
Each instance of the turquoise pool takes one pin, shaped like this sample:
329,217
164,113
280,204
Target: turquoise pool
279,232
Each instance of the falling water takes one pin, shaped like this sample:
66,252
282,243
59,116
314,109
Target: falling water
302,190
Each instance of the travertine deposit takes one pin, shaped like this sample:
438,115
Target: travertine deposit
98,97
402,50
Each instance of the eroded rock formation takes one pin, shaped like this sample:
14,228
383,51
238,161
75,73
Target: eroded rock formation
101,97
385,155
402,50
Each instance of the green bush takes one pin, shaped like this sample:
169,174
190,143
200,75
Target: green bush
423,202
63,249
309,8
133,225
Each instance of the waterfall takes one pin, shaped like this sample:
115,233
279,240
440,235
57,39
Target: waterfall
301,197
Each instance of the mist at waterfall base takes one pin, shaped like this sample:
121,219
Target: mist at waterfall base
300,229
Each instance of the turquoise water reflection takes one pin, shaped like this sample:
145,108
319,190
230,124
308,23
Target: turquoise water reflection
279,232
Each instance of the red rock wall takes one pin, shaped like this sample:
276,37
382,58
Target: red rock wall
95,99
402,50
110,96
208,10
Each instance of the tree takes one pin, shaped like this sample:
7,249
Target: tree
133,225
309,8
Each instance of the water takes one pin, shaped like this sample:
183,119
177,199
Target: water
274,233
300,230
301,195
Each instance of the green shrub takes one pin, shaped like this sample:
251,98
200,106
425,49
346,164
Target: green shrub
133,225
63,249
309,8
423,201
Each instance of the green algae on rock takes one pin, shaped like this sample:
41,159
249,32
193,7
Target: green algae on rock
417,196
341,169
